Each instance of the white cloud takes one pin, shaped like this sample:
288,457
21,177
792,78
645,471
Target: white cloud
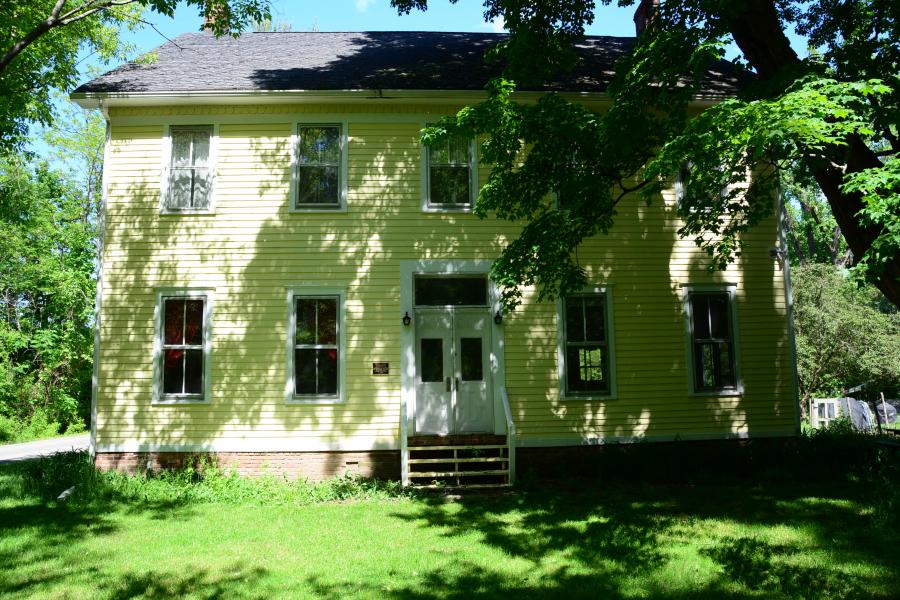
363,5
498,25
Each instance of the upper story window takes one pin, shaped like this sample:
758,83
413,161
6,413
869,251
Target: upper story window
184,347
712,341
320,173
586,348
450,169
188,185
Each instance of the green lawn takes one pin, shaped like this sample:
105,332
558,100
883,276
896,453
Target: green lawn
581,541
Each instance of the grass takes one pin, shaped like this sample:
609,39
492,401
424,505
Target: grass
138,538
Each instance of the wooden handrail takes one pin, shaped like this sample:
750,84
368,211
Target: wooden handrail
510,435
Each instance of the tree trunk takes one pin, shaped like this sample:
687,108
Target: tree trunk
757,31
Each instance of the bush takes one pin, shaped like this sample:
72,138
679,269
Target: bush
38,426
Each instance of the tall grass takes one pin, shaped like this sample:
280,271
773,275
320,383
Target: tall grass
198,481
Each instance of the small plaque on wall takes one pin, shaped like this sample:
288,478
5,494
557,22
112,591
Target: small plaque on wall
381,368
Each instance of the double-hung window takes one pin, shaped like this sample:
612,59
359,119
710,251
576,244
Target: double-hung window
712,341
586,356
316,340
189,176
184,344
320,152
450,167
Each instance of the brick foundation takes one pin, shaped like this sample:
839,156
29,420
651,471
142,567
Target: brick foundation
381,464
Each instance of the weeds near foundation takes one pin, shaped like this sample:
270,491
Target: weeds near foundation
198,481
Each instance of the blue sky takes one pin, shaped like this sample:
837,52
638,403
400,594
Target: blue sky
375,15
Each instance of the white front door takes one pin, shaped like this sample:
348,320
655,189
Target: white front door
453,390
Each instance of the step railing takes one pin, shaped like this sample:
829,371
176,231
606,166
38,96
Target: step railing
510,435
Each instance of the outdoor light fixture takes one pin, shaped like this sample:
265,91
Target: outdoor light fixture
407,319
498,318
777,253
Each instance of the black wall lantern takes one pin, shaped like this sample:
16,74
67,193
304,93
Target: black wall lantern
407,319
498,318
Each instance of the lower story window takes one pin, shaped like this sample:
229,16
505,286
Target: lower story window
712,341
586,345
183,359
316,352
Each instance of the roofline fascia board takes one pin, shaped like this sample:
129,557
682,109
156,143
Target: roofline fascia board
92,100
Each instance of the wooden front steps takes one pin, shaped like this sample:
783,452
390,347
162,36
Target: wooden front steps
458,461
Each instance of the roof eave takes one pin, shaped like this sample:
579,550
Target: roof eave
92,100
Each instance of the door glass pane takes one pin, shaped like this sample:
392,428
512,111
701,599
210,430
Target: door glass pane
471,365
451,291
432,359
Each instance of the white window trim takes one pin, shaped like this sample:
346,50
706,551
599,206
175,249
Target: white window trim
314,291
426,179
343,171
166,163
158,396
564,394
730,289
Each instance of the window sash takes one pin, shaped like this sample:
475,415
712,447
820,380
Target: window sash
196,162
599,343
719,370
186,349
311,164
316,347
456,170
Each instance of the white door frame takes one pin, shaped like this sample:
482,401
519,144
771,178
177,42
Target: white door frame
408,270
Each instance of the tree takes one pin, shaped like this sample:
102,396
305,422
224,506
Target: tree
844,337
835,113
40,42
813,234
47,287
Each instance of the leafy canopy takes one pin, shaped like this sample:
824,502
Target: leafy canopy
41,42
835,113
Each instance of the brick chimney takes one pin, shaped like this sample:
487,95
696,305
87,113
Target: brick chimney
644,15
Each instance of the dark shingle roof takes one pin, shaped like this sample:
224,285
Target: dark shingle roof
381,60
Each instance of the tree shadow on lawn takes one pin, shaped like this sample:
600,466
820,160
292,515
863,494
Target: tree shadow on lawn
628,536
47,529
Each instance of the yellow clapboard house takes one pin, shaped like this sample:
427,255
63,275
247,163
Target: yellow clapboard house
291,281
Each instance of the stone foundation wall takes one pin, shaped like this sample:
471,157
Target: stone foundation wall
381,464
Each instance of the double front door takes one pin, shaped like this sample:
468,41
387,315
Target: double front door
453,371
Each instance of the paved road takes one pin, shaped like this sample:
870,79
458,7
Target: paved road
14,452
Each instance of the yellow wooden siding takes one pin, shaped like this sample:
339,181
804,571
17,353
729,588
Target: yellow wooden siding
253,248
